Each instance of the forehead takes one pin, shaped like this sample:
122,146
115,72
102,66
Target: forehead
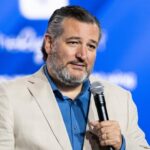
73,27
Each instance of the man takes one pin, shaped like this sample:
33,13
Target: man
54,109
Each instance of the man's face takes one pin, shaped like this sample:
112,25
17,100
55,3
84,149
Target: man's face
71,56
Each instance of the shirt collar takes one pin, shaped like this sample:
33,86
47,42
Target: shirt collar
85,87
53,85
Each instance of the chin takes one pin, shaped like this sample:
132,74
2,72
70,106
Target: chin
80,77
79,73
71,77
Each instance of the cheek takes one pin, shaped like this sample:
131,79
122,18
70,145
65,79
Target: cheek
91,58
58,54
63,58
65,54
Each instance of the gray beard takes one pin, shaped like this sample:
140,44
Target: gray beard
62,74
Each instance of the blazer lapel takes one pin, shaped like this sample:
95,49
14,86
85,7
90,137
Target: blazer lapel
40,89
89,142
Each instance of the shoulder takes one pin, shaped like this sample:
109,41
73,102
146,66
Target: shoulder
10,86
19,83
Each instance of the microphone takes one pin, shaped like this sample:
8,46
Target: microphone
97,90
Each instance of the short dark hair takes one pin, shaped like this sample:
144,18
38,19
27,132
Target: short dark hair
54,24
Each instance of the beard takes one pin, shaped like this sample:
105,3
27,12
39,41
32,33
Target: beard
61,72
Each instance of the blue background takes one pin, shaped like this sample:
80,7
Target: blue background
123,54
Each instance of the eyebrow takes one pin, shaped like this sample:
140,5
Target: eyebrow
73,38
78,38
95,42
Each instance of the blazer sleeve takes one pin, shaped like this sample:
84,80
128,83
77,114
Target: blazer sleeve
135,138
6,122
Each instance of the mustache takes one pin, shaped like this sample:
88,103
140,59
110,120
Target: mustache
79,62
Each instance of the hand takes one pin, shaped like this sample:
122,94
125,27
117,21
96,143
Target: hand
108,132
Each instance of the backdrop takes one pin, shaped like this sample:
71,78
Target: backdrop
123,53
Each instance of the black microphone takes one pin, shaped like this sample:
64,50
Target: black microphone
97,90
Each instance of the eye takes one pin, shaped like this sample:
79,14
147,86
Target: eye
92,46
72,42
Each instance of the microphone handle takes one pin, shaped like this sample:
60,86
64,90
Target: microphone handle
102,111
101,107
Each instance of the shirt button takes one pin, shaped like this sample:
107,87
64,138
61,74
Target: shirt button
75,103
74,128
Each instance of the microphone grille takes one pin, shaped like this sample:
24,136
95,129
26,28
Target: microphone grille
96,88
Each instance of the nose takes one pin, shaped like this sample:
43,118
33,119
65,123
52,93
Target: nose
82,53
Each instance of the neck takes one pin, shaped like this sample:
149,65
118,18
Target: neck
69,91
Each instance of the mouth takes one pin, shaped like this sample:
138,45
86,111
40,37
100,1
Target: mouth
78,65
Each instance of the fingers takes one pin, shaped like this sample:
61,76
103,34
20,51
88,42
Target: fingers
108,132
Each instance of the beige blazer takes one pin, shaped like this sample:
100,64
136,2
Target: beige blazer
30,118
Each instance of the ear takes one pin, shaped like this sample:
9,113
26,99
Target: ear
48,43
